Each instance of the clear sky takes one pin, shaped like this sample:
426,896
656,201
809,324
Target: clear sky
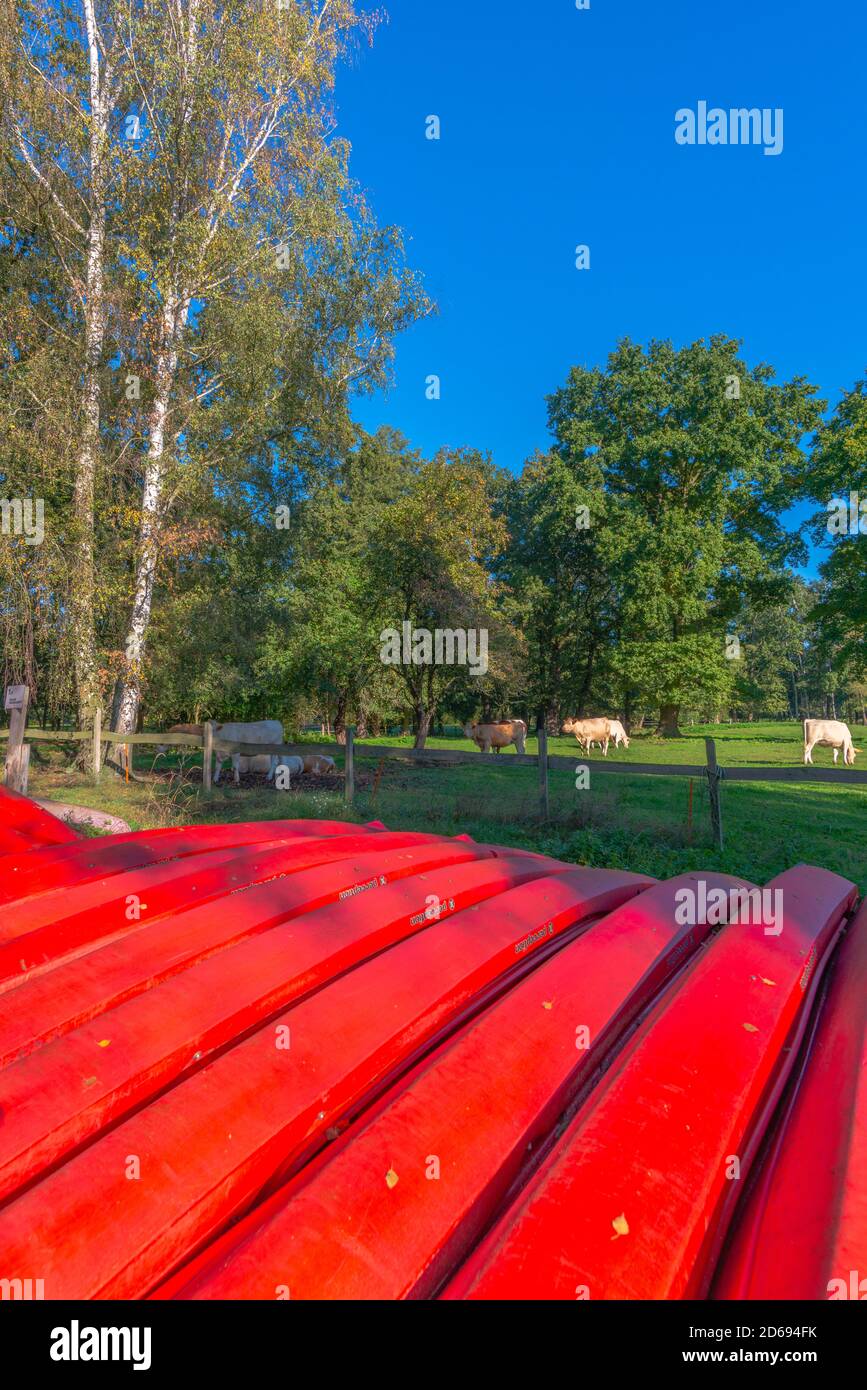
557,129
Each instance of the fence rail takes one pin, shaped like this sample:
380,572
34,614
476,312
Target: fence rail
759,773
352,751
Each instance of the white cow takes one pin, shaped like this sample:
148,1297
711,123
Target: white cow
828,733
265,731
618,733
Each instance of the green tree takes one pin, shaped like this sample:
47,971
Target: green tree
322,637
700,454
431,563
838,479
562,567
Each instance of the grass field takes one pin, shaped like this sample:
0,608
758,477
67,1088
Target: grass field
632,822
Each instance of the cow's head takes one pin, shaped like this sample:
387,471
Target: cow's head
568,726
470,730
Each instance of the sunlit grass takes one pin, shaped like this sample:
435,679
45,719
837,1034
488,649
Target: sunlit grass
633,822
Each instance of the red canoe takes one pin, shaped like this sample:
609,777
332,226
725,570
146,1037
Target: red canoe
800,1234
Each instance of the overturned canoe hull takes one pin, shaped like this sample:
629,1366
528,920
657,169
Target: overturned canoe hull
320,1060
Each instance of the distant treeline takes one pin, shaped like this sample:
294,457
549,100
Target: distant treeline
641,567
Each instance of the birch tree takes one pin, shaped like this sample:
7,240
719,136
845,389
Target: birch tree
241,179
60,82
216,276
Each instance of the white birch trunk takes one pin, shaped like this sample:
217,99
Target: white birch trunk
83,574
174,320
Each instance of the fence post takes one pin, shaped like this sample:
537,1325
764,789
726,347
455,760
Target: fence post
350,765
543,772
97,742
17,753
714,774
207,753
23,768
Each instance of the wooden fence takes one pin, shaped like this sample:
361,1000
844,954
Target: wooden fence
352,751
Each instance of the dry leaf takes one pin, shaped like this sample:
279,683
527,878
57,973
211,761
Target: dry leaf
391,1178
621,1226
751,1028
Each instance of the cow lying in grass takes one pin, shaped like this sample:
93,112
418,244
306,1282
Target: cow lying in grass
319,763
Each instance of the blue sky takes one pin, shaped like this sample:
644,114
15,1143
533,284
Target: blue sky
558,129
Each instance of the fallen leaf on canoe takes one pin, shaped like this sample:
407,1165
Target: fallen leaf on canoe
621,1226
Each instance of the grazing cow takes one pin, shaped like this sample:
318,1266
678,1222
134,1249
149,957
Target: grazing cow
265,731
194,729
828,733
319,763
590,731
498,736
618,733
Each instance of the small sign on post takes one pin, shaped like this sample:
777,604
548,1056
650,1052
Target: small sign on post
17,753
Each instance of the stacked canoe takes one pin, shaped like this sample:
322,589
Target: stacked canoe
320,1060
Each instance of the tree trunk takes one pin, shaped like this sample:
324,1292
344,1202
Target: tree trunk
173,322
668,721
83,570
586,683
627,709
423,719
340,720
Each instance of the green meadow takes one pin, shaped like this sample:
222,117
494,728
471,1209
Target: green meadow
636,822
